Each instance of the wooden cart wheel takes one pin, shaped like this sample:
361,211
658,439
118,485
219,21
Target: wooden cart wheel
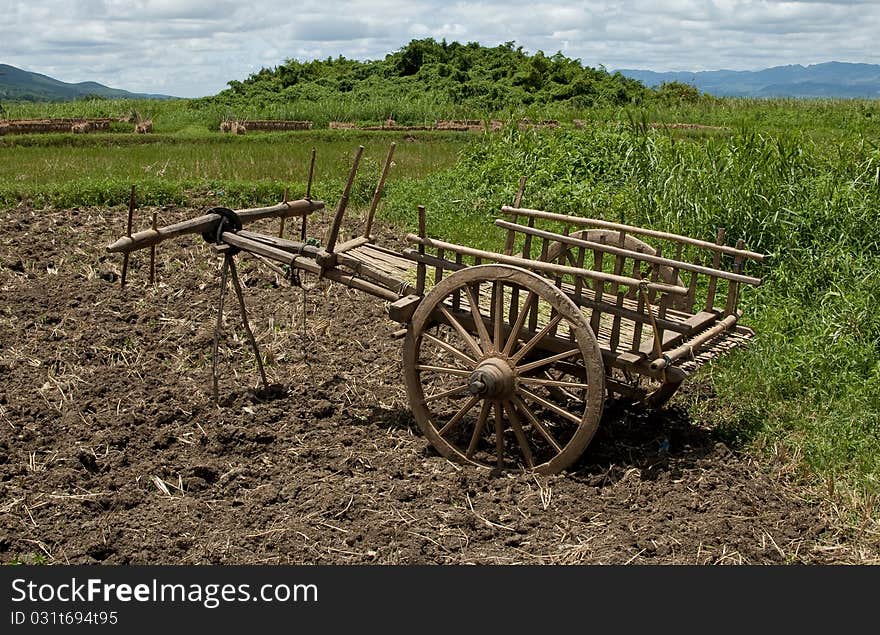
475,358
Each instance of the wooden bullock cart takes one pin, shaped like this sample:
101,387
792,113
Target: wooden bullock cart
509,356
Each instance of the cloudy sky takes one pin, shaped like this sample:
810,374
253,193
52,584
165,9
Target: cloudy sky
191,48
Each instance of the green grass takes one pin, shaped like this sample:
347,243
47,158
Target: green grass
247,169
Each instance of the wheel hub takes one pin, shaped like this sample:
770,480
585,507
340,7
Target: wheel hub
493,378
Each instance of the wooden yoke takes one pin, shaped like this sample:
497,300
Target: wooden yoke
201,224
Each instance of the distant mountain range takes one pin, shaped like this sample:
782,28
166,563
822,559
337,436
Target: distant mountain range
18,84
831,79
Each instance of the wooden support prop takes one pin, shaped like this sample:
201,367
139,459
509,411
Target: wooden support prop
377,194
204,223
128,235
236,283
215,350
343,203
547,267
592,222
153,254
420,267
619,250
713,280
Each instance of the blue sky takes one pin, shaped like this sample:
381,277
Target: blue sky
191,48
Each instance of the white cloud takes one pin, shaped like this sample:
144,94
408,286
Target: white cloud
193,47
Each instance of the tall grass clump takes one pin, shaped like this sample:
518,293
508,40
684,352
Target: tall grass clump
810,382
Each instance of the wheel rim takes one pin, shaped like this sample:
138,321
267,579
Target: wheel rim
483,394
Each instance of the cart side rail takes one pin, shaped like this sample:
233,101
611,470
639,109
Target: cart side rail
631,229
712,272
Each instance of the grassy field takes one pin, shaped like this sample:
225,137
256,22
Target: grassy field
68,170
799,181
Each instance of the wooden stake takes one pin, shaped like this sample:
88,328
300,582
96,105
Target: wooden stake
733,287
420,268
517,201
311,176
343,203
153,255
128,234
716,263
377,194
511,233
281,225
302,229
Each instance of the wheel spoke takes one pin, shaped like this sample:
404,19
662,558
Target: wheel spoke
478,319
459,415
538,425
458,372
520,435
449,348
446,393
547,360
499,434
537,381
537,338
549,405
478,429
517,327
568,395
461,331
